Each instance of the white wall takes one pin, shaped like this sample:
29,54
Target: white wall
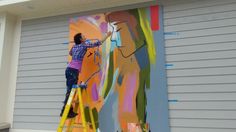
9,46
2,27
2,87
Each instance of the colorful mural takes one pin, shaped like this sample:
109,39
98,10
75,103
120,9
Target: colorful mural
118,71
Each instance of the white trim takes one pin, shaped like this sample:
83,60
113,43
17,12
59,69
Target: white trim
2,89
14,67
8,2
2,28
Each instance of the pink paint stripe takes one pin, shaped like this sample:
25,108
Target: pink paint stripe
129,94
154,10
94,92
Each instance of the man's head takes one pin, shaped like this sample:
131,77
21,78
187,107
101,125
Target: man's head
79,38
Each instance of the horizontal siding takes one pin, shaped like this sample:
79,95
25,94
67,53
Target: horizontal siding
46,36
193,10
221,38
202,72
201,25
200,129
208,97
44,66
203,32
36,105
201,56
41,85
203,114
41,48
203,88
27,92
211,47
40,98
204,123
35,61
35,125
46,72
207,63
200,43
40,80
180,5
37,112
45,42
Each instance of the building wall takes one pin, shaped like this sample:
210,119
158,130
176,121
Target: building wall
40,79
200,51
200,41
41,83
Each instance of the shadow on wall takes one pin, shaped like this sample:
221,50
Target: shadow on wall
4,127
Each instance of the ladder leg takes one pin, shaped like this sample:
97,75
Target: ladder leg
66,111
91,113
92,119
71,125
82,110
72,121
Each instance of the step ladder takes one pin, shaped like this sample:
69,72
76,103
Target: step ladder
78,89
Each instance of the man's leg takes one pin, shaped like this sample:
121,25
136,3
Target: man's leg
71,79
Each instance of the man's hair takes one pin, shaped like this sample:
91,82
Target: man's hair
77,38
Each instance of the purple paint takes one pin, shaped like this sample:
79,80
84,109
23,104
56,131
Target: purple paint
72,20
94,92
97,17
129,93
103,27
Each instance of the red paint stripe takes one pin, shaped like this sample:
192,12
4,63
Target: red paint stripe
154,12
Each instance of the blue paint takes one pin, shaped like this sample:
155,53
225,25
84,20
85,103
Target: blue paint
142,57
174,101
171,33
109,123
120,79
75,86
113,84
157,95
169,65
115,40
65,43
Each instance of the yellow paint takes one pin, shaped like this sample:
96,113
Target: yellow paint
107,50
148,34
106,79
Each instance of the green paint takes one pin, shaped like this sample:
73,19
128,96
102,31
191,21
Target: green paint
95,116
87,116
141,38
110,74
141,99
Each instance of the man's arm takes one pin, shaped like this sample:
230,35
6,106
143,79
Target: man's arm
91,45
70,53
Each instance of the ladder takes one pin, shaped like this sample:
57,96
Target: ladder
78,89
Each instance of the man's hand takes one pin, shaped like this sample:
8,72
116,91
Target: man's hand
108,35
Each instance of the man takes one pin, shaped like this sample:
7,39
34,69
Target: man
73,69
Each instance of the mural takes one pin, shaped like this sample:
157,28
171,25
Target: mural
118,71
